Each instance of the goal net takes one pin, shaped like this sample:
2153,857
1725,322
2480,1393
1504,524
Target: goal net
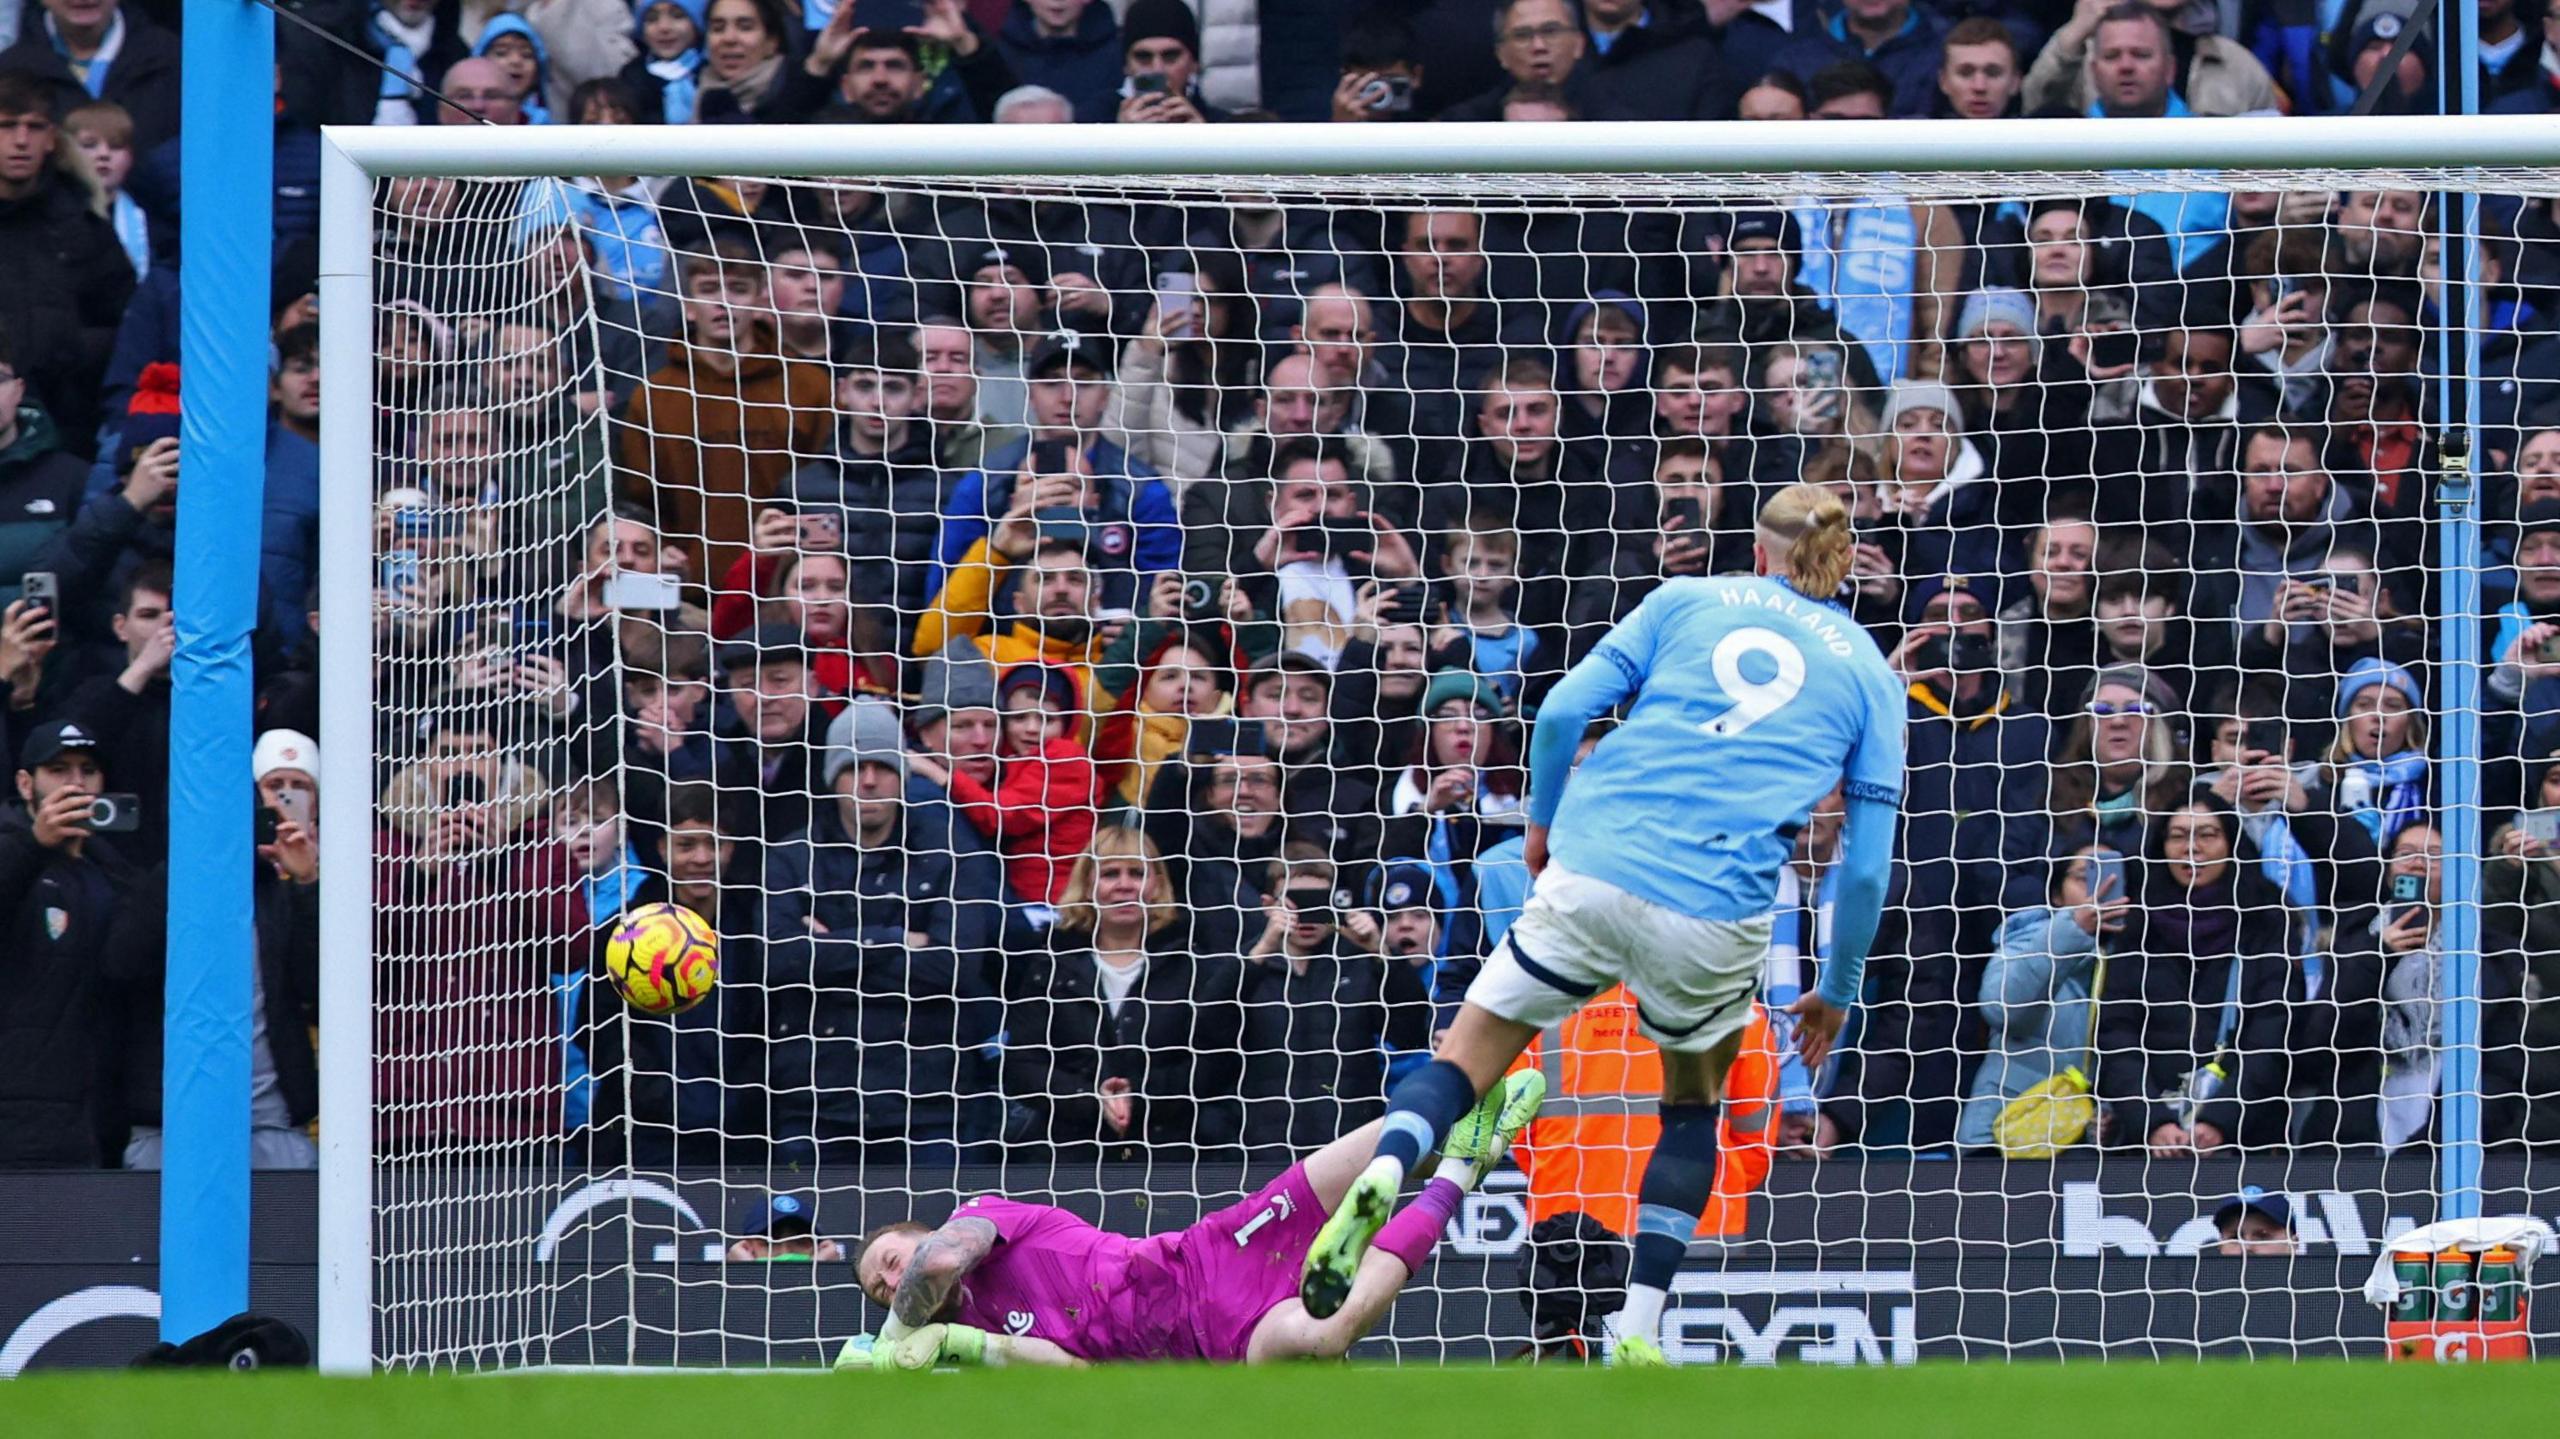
1075,639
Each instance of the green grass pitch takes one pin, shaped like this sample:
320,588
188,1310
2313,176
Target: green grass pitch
2052,1401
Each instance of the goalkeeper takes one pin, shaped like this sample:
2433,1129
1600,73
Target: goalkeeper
1749,699
1011,1283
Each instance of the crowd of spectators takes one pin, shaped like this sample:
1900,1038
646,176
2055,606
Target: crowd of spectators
1078,649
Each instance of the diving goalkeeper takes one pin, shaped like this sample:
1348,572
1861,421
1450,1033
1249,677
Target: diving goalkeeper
1011,1283
1751,698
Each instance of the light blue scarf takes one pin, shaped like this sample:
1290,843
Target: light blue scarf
400,77
2386,796
678,74
94,77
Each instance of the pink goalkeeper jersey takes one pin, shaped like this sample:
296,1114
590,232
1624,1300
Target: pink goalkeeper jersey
1099,1296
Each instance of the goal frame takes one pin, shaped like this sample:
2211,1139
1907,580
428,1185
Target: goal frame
354,159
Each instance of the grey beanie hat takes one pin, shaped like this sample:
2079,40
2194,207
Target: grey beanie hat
961,677
867,732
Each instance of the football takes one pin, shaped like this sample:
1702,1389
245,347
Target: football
662,959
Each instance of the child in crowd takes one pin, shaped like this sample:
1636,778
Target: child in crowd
1482,564
1040,814
664,73
586,820
1178,682
511,44
104,132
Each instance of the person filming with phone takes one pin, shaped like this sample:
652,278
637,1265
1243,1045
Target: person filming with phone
127,712
1160,66
284,1076
2390,993
62,884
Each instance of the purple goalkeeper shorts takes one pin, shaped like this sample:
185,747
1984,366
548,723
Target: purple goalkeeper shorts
1244,1261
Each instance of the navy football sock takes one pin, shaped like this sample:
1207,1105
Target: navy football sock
1678,1181
1421,1110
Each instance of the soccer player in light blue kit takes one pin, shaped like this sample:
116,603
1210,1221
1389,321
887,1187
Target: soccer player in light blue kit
1752,698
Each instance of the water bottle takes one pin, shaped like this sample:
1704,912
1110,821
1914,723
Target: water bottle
2196,1091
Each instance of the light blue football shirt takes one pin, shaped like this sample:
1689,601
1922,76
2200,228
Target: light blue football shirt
1751,702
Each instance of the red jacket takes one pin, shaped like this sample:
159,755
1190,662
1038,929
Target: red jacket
1040,816
840,671
466,1030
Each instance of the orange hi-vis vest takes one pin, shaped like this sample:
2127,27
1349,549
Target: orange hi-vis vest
1588,1148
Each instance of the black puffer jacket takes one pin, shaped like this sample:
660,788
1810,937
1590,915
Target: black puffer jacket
65,293
143,77
892,507
862,1023
1174,1039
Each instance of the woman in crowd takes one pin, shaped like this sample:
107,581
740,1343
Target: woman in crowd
2375,771
2117,768
1935,485
811,594
747,65
2040,990
2180,1070
1190,376
2520,952
1464,789
1121,1035
2033,433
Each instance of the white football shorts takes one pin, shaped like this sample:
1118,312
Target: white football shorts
1693,979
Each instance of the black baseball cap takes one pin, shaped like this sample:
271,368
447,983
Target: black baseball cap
1058,350
1775,225
53,740
764,645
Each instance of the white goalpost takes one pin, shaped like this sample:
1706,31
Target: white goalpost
2167,440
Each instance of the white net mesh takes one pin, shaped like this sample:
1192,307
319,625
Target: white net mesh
1076,642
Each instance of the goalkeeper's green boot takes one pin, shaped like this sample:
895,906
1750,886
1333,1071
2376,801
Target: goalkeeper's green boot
1634,1351
1487,1132
1333,1261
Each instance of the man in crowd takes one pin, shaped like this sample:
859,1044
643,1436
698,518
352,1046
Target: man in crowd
961,439
723,382
1655,56
64,884
284,1082
1067,464
1979,73
2291,512
1160,67
1539,43
127,715
83,50
875,936
1071,47
69,281
1897,37
884,486
1975,758
1445,333
2212,75
771,730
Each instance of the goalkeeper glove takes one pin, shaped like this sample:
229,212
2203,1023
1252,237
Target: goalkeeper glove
957,1343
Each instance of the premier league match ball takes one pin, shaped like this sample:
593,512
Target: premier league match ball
662,959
